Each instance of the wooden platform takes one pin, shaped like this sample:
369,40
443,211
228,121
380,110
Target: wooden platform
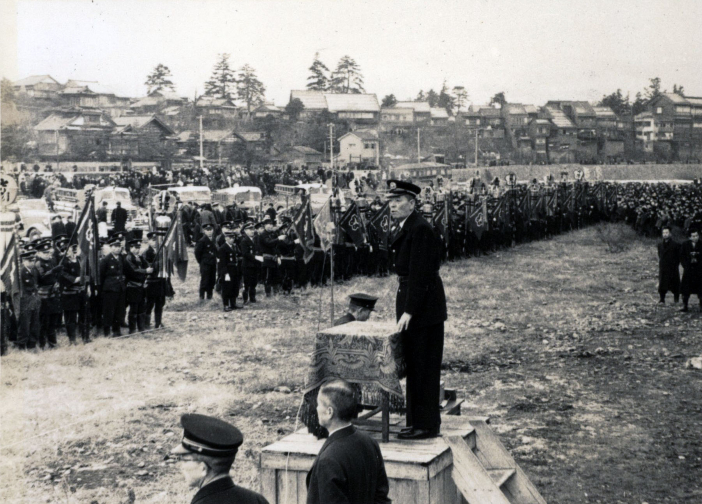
420,472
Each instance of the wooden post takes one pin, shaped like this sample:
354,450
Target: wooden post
385,416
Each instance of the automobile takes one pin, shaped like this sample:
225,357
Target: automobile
186,194
35,217
318,194
246,197
66,200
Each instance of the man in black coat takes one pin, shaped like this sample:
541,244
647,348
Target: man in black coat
113,288
420,308
250,266
349,467
119,218
229,273
668,266
206,455
268,242
206,255
691,259
155,287
135,271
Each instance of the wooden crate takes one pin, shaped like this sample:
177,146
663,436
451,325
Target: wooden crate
419,471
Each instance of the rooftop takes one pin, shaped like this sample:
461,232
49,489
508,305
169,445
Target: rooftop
417,106
352,102
312,100
558,117
35,79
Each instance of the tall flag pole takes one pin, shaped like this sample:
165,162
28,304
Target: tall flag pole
9,271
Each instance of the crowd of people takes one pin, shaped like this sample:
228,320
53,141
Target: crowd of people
237,253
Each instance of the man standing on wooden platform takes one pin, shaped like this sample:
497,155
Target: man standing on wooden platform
349,467
420,308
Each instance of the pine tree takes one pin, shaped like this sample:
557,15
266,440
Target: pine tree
250,89
654,88
432,98
420,96
389,101
222,81
158,80
445,100
460,95
318,79
347,77
499,99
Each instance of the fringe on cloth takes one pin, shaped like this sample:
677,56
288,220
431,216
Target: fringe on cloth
366,393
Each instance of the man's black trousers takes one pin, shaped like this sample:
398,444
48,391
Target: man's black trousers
423,348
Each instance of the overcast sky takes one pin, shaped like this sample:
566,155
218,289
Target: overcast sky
532,50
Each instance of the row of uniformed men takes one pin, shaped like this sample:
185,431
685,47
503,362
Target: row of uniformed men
53,290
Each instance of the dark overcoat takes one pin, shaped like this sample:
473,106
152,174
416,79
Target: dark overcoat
112,274
224,491
228,264
416,256
348,469
155,286
135,276
668,266
691,259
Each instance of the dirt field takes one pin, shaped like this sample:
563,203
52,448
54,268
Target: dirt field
560,342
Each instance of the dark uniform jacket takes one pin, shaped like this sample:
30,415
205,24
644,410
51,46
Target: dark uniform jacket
248,252
228,264
349,469
224,491
48,277
135,276
71,298
668,262
155,286
112,274
205,252
416,258
268,242
119,218
29,299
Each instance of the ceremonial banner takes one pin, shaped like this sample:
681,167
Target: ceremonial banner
380,225
552,204
302,225
439,220
366,354
352,224
477,221
324,226
9,271
89,244
174,250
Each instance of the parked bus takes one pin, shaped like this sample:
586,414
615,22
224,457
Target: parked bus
66,200
318,194
420,172
246,197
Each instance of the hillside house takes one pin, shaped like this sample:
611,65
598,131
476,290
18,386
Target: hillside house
302,156
77,134
681,116
90,94
38,86
141,137
421,111
157,101
359,147
313,101
268,110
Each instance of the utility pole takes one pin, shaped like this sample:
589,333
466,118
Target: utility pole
332,209
476,147
201,161
419,155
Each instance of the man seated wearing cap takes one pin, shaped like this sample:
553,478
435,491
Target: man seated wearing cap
207,453
360,307
349,467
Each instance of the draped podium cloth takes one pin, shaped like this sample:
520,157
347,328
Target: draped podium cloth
368,354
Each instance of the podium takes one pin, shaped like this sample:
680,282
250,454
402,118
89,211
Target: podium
368,354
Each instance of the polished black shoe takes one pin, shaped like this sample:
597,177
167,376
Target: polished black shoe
407,429
684,309
418,434
227,309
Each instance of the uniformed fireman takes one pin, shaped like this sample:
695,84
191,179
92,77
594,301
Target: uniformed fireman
228,266
113,288
206,255
48,275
